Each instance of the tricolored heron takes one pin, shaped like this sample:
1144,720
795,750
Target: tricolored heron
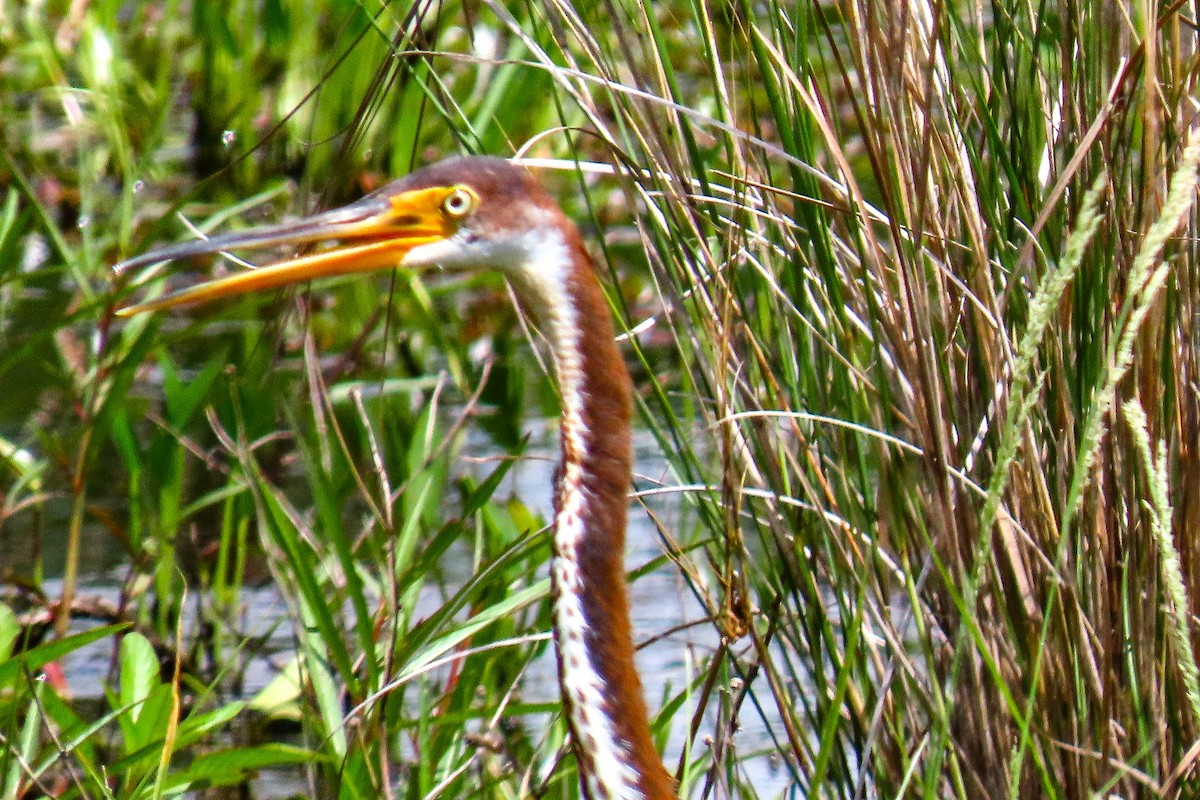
485,213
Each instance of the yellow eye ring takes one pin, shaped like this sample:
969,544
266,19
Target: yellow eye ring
459,202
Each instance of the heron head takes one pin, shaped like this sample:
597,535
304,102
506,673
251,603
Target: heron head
462,214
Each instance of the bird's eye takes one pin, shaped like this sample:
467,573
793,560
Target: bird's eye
459,202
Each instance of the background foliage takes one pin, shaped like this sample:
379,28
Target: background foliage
910,290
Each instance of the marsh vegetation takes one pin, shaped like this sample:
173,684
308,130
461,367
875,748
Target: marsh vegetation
909,293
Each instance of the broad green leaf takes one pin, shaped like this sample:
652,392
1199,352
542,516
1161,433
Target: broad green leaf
280,698
139,672
8,631
38,657
232,765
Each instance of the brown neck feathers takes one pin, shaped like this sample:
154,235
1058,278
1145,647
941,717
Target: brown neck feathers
591,519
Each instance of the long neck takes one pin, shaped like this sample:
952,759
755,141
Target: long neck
601,690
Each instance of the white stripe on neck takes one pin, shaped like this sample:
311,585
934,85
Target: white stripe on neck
546,274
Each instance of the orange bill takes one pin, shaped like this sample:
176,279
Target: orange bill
371,234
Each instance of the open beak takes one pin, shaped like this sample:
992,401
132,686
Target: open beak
373,233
